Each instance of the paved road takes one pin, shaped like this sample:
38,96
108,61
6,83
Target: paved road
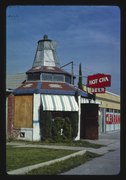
108,164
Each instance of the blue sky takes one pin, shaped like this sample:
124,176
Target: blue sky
89,35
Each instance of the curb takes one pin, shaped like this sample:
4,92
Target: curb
25,170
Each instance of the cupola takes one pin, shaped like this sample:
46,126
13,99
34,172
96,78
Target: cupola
46,53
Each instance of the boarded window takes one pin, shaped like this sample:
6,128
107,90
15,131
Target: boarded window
23,112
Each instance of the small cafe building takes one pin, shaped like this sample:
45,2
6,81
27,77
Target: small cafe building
48,87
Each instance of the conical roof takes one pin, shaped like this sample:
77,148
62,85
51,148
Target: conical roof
46,53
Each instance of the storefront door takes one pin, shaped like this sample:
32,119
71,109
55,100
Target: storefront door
89,121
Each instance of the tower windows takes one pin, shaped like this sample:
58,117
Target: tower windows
33,76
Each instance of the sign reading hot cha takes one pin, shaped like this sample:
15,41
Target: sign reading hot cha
98,82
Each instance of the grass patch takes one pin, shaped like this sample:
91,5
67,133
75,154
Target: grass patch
77,143
83,144
63,166
25,156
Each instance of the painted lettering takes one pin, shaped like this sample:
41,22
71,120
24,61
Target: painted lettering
93,81
104,79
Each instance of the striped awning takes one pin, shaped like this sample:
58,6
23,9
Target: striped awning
59,103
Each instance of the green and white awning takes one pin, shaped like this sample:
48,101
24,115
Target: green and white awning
59,103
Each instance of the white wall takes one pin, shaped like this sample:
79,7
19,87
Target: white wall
36,118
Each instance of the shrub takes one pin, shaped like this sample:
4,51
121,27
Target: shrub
67,129
46,125
57,125
51,128
74,123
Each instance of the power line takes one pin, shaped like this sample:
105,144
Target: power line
86,70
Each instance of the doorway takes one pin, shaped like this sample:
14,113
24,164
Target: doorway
89,121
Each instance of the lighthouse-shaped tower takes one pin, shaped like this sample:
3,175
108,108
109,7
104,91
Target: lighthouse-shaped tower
46,53
47,88
46,66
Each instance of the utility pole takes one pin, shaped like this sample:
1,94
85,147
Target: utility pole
72,79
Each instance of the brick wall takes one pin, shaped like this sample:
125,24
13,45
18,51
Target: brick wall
10,115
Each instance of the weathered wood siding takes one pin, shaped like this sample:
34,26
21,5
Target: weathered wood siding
23,111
